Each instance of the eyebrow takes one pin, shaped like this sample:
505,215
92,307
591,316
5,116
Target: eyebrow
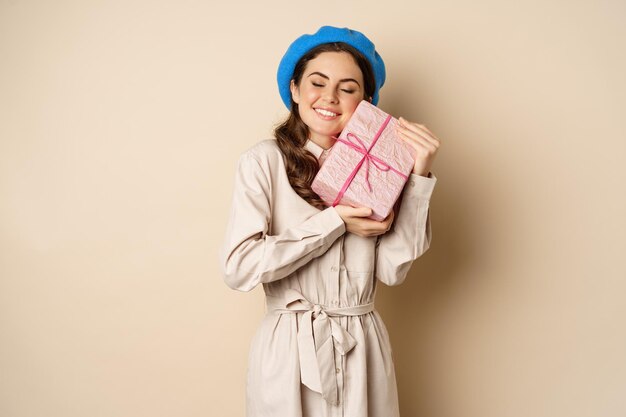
341,81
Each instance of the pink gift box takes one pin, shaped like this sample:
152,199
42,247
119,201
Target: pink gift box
368,165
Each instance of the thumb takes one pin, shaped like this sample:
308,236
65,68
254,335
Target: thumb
362,211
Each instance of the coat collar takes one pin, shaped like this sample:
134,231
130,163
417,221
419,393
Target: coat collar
314,148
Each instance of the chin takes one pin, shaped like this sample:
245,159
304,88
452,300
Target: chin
331,134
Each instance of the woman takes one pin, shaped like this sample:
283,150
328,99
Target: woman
322,349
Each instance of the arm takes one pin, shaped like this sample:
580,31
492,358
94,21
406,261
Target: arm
411,234
248,255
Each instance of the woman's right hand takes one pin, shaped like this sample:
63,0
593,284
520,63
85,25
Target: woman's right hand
357,222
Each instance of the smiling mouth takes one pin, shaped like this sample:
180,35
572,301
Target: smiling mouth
326,113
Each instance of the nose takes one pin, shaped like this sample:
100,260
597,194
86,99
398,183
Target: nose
330,95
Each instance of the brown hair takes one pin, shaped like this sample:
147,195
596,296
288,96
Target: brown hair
292,134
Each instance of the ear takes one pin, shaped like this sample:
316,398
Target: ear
295,92
369,99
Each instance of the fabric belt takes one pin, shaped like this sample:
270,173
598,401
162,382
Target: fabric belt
319,335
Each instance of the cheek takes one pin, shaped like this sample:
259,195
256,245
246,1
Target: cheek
351,105
310,93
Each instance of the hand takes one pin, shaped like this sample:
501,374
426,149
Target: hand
423,141
357,222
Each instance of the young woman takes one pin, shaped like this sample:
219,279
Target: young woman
322,349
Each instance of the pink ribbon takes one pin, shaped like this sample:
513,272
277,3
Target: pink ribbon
367,158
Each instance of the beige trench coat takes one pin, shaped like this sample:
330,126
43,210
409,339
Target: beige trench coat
321,349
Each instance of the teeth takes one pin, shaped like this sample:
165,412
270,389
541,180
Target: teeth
325,112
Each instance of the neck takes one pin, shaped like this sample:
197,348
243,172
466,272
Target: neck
325,142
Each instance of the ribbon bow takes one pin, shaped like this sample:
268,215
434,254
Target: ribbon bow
367,158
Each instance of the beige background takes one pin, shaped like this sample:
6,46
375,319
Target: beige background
120,124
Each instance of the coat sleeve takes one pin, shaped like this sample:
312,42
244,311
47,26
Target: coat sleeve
410,235
249,255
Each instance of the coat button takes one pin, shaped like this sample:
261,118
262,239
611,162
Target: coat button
337,370
412,183
334,268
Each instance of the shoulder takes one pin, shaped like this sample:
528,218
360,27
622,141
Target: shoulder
267,148
265,154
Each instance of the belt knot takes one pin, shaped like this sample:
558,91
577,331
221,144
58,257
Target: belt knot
319,336
317,309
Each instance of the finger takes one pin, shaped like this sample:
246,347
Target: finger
417,128
389,218
376,232
361,212
369,227
382,226
417,134
384,222
414,126
418,141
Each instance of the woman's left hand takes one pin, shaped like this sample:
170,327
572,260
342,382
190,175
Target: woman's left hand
423,140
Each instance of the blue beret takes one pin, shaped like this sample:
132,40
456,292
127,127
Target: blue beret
327,34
